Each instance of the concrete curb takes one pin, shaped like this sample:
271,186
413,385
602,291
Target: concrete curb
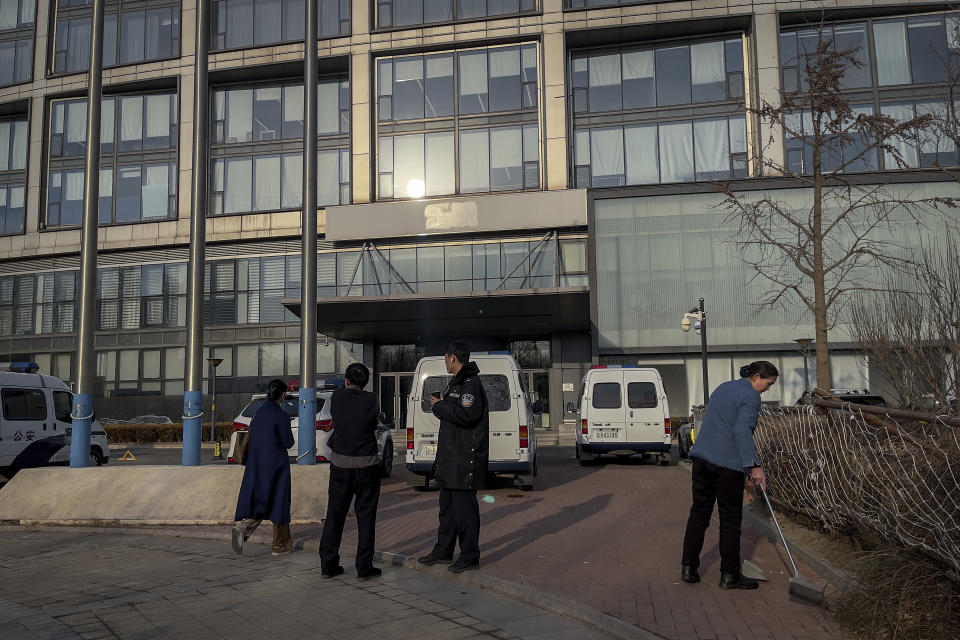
554,604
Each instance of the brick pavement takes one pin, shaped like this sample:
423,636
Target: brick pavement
608,537
70,584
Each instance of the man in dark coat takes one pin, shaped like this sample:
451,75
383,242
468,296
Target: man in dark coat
354,473
265,489
461,462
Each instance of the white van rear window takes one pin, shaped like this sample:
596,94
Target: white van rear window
641,395
496,386
606,395
24,404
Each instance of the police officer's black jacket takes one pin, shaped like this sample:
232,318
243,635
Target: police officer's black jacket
463,446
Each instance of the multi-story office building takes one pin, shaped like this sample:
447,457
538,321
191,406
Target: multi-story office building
532,175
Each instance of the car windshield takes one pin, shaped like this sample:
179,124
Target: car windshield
290,405
497,388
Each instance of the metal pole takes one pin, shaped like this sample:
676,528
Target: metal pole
193,373
307,431
703,353
82,415
213,402
806,379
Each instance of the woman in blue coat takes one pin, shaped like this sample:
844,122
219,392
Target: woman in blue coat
723,455
265,489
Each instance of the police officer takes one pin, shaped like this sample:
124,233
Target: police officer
461,461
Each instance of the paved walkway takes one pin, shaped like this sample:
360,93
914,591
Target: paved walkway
608,537
72,584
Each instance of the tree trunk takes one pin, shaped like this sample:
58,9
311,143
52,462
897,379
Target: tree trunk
824,376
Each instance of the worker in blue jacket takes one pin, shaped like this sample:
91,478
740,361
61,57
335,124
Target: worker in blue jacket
265,488
723,455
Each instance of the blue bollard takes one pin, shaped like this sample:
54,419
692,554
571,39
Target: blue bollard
307,427
192,416
80,431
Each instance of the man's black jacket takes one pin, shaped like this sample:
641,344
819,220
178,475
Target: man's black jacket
354,413
464,432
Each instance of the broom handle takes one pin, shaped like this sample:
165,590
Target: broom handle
780,531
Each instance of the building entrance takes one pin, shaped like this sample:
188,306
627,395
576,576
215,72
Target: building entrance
394,392
538,386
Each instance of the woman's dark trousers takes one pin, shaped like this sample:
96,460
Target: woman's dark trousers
345,484
725,487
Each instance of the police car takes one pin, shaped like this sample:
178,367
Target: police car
324,424
35,422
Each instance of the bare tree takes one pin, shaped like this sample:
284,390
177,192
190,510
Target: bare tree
912,332
845,235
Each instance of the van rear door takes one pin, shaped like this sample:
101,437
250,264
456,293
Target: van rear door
504,415
644,413
607,421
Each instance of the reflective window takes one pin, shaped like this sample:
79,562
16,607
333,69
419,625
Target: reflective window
902,51
641,395
13,174
648,94
237,24
401,13
663,75
24,404
496,387
449,146
133,31
142,296
606,395
138,173
16,41
257,134
37,303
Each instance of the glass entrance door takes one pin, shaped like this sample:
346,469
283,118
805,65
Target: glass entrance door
538,382
394,392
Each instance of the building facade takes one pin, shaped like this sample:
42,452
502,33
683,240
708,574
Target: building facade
532,175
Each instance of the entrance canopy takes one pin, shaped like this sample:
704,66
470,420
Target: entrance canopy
409,317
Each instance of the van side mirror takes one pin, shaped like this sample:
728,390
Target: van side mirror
571,408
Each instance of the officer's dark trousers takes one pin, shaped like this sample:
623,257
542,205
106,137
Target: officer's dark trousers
459,520
725,487
345,484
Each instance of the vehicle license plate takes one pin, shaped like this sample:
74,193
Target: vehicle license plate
430,450
606,434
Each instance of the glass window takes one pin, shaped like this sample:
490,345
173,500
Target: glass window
62,401
673,75
928,48
606,395
132,34
245,23
642,395
893,63
24,404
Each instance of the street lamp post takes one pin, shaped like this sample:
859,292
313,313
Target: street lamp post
699,314
805,350
214,363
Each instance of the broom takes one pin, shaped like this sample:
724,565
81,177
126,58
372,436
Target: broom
800,587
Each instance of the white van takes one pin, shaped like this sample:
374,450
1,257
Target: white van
513,442
35,422
623,411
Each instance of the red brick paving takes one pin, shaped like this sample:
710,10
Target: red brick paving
608,537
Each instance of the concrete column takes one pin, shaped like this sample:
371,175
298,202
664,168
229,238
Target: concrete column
554,120
361,135
763,85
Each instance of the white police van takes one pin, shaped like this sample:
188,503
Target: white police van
35,422
623,411
513,441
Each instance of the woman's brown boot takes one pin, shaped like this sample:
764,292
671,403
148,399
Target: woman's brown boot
281,539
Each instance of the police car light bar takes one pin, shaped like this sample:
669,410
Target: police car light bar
20,367
489,353
614,366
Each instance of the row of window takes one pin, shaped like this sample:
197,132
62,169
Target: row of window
250,290
459,122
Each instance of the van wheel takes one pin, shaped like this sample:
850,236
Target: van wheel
96,460
586,459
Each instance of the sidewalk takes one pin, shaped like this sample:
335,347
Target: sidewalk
608,537
72,584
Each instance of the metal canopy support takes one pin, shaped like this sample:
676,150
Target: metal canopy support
392,270
307,432
532,251
82,415
193,367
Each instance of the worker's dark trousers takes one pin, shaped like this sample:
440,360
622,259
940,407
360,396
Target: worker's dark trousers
725,487
345,484
459,520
